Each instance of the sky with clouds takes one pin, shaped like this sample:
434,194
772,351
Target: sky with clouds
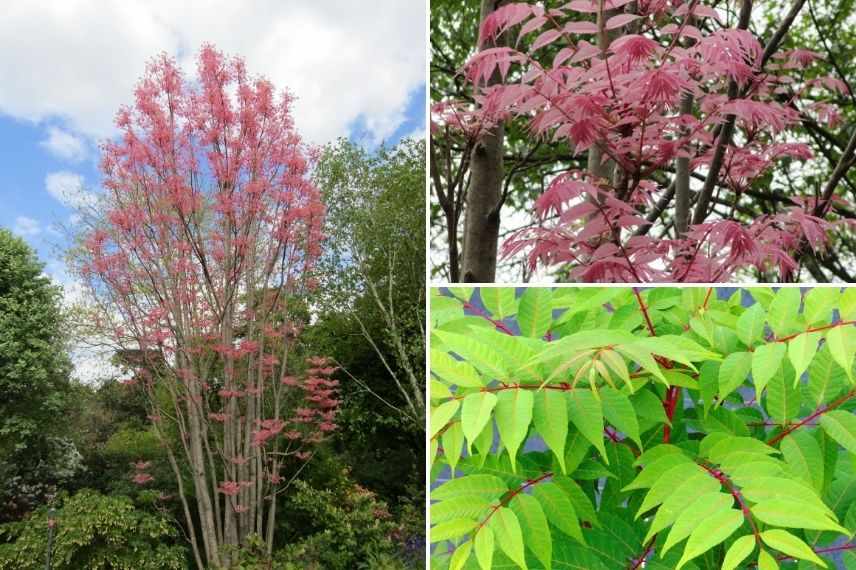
357,69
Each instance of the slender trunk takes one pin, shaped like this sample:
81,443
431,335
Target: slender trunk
725,135
682,171
452,237
481,224
597,166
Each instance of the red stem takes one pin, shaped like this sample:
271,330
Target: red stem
497,323
815,329
641,560
726,482
506,498
644,310
816,414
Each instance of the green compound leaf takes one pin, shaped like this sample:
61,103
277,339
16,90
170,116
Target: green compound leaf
783,399
783,312
460,556
698,483
619,411
841,426
479,354
701,509
550,414
479,485
792,513
513,416
535,312
819,303
453,371
453,443
803,455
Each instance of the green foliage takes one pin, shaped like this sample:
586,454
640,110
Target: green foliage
657,429
33,380
93,531
341,528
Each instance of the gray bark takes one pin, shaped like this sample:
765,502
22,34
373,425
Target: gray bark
481,223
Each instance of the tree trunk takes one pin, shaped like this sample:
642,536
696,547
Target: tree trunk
481,225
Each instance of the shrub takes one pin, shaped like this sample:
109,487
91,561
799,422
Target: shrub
93,531
347,526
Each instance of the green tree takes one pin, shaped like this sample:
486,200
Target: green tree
34,370
373,271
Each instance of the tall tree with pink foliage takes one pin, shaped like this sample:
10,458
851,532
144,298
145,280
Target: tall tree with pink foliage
198,264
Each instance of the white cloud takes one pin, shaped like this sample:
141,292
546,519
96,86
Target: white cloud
417,134
345,61
64,145
27,227
67,188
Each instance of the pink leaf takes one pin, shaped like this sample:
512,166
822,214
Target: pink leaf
581,28
621,20
584,6
546,38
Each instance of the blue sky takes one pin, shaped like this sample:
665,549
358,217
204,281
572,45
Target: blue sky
66,69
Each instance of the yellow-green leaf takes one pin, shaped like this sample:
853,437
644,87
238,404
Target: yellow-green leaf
460,556
710,533
484,547
535,312
801,349
475,414
509,535
786,543
448,530
766,361
550,414
842,347
841,426
740,549
586,414
766,561
513,416
441,415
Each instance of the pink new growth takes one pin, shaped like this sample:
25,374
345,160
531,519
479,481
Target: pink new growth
622,100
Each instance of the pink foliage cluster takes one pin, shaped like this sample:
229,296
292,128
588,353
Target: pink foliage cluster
140,476
206,177
625,100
